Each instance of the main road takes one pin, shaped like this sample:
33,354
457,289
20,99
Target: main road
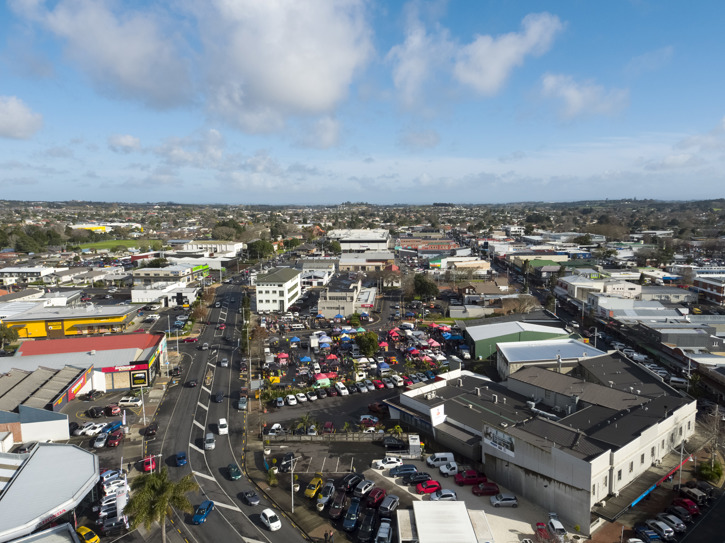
189,413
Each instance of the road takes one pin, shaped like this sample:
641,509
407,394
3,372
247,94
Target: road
187,414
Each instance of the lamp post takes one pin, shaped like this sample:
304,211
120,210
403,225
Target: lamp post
143,407
292,482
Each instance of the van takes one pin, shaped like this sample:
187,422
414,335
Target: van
397,380
697,496
297,326
383,372
341,389
209,442
678,382
436,460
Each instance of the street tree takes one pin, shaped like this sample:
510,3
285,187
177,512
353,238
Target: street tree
368,343
155,496
7,335
424,287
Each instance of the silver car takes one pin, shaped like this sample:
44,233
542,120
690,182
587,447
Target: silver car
504,500
328,490
100,441
444,495
672,521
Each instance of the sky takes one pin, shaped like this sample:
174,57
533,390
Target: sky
322,101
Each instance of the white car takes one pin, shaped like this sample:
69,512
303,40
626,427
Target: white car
81,430
388,383
388,462
369,384
110,475
291,400
130,401
112,486
301,397
341,389
270,520
95,429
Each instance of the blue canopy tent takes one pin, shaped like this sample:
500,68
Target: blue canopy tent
305,359
294,340
346,339
364,314
320,316
325,346
383,365
456,338
325,339
338,316
446,335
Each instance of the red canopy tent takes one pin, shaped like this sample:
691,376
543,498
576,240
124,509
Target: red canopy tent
331,357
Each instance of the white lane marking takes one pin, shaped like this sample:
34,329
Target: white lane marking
199,424
226,506
204,407
205,476
191,445
208,391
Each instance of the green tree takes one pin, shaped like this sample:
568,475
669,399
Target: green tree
7,335
334,247
154,496
260,248
368,343
424,287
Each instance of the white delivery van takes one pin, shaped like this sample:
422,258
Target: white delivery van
437,460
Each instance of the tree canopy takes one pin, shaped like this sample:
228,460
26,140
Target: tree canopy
367,342
424,287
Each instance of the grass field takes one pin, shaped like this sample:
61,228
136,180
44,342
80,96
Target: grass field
110,244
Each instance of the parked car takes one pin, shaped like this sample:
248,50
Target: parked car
95,429
279,402
504,500
679,512
350,481
375,497
95,412
115,438
672,521
327,492
401,471
387,462
311,396
180,459
416,477
151,429
112,410
352,515
427,487
149,464
363,487
270,519
338,504
385,531
87,535
368,522
688,505
202,512
314,486
485,489
444,495
389,505
378,407
291,399
130,401
110,475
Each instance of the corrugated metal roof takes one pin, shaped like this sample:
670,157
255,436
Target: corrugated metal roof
443,521
489,331
85,344
529,351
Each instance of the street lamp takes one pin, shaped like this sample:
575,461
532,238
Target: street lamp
292,482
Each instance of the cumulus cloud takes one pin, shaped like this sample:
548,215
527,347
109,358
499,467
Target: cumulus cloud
420,139
131,55
583,98
487,63
202,150
123,143
270,60
323,134
650,61
17,120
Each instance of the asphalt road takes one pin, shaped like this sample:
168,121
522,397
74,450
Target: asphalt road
187,414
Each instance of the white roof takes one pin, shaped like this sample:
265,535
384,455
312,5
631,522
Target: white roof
443,521
53,479
488,331
526,351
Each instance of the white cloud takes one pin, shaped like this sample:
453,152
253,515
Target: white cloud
323,134
269,60
202,150
487,63
585,98
650,61
420,139
17,120
671,162
130,55
123,143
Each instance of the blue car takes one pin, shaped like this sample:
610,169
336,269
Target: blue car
429,374
180,458
202,512
112,426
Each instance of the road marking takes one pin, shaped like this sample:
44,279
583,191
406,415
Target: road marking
205,476
226,506
323,463
195,448
206,408
199,424
206,389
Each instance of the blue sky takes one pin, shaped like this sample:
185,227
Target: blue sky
315,102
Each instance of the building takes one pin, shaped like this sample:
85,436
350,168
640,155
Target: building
180,274
216,248
711,288
340,297
362,240
278,289
669,295
484,338
44,487
588,445
558,354
317,272
365,262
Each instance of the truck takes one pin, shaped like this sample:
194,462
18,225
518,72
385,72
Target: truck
451,468
470,477
268,359
465,352
315,343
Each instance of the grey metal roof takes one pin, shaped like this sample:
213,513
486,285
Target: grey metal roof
34,312
619,372
529,351
278,275
25,388
546,433
53,478
489,331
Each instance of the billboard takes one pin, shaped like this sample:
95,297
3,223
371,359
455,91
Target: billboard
139,379
493,437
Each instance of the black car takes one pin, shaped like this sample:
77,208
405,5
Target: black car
151,429
218,397
352,516
350,481
392,443
72,427
321,393
679,512
286,464
177,371
192,383
337,506
93,395
250,497
352,388
415,478
95,412
368,524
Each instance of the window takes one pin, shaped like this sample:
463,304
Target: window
641,459
631,467
688,425
652,452
663,445
619,475
680,431
594,490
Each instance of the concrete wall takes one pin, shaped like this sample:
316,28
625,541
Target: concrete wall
54,430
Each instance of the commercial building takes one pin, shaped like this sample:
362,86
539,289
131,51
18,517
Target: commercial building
483,338
368,261
215,248
44,487
711,288
182,274
588,445
278,289
339,298
361,240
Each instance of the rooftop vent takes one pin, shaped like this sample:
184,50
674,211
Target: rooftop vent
494,398
93,352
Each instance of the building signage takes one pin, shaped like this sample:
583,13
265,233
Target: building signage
130,367
437,415
139,379
498,440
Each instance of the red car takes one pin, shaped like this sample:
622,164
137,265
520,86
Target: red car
149,464
378,407
114,440
222,326
485,489
190,340
378,383
113,410
687,504
375,497
406,380
427,487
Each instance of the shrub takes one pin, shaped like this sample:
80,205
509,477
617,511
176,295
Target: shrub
272,477
711,473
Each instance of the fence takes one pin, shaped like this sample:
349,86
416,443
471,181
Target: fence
359,437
